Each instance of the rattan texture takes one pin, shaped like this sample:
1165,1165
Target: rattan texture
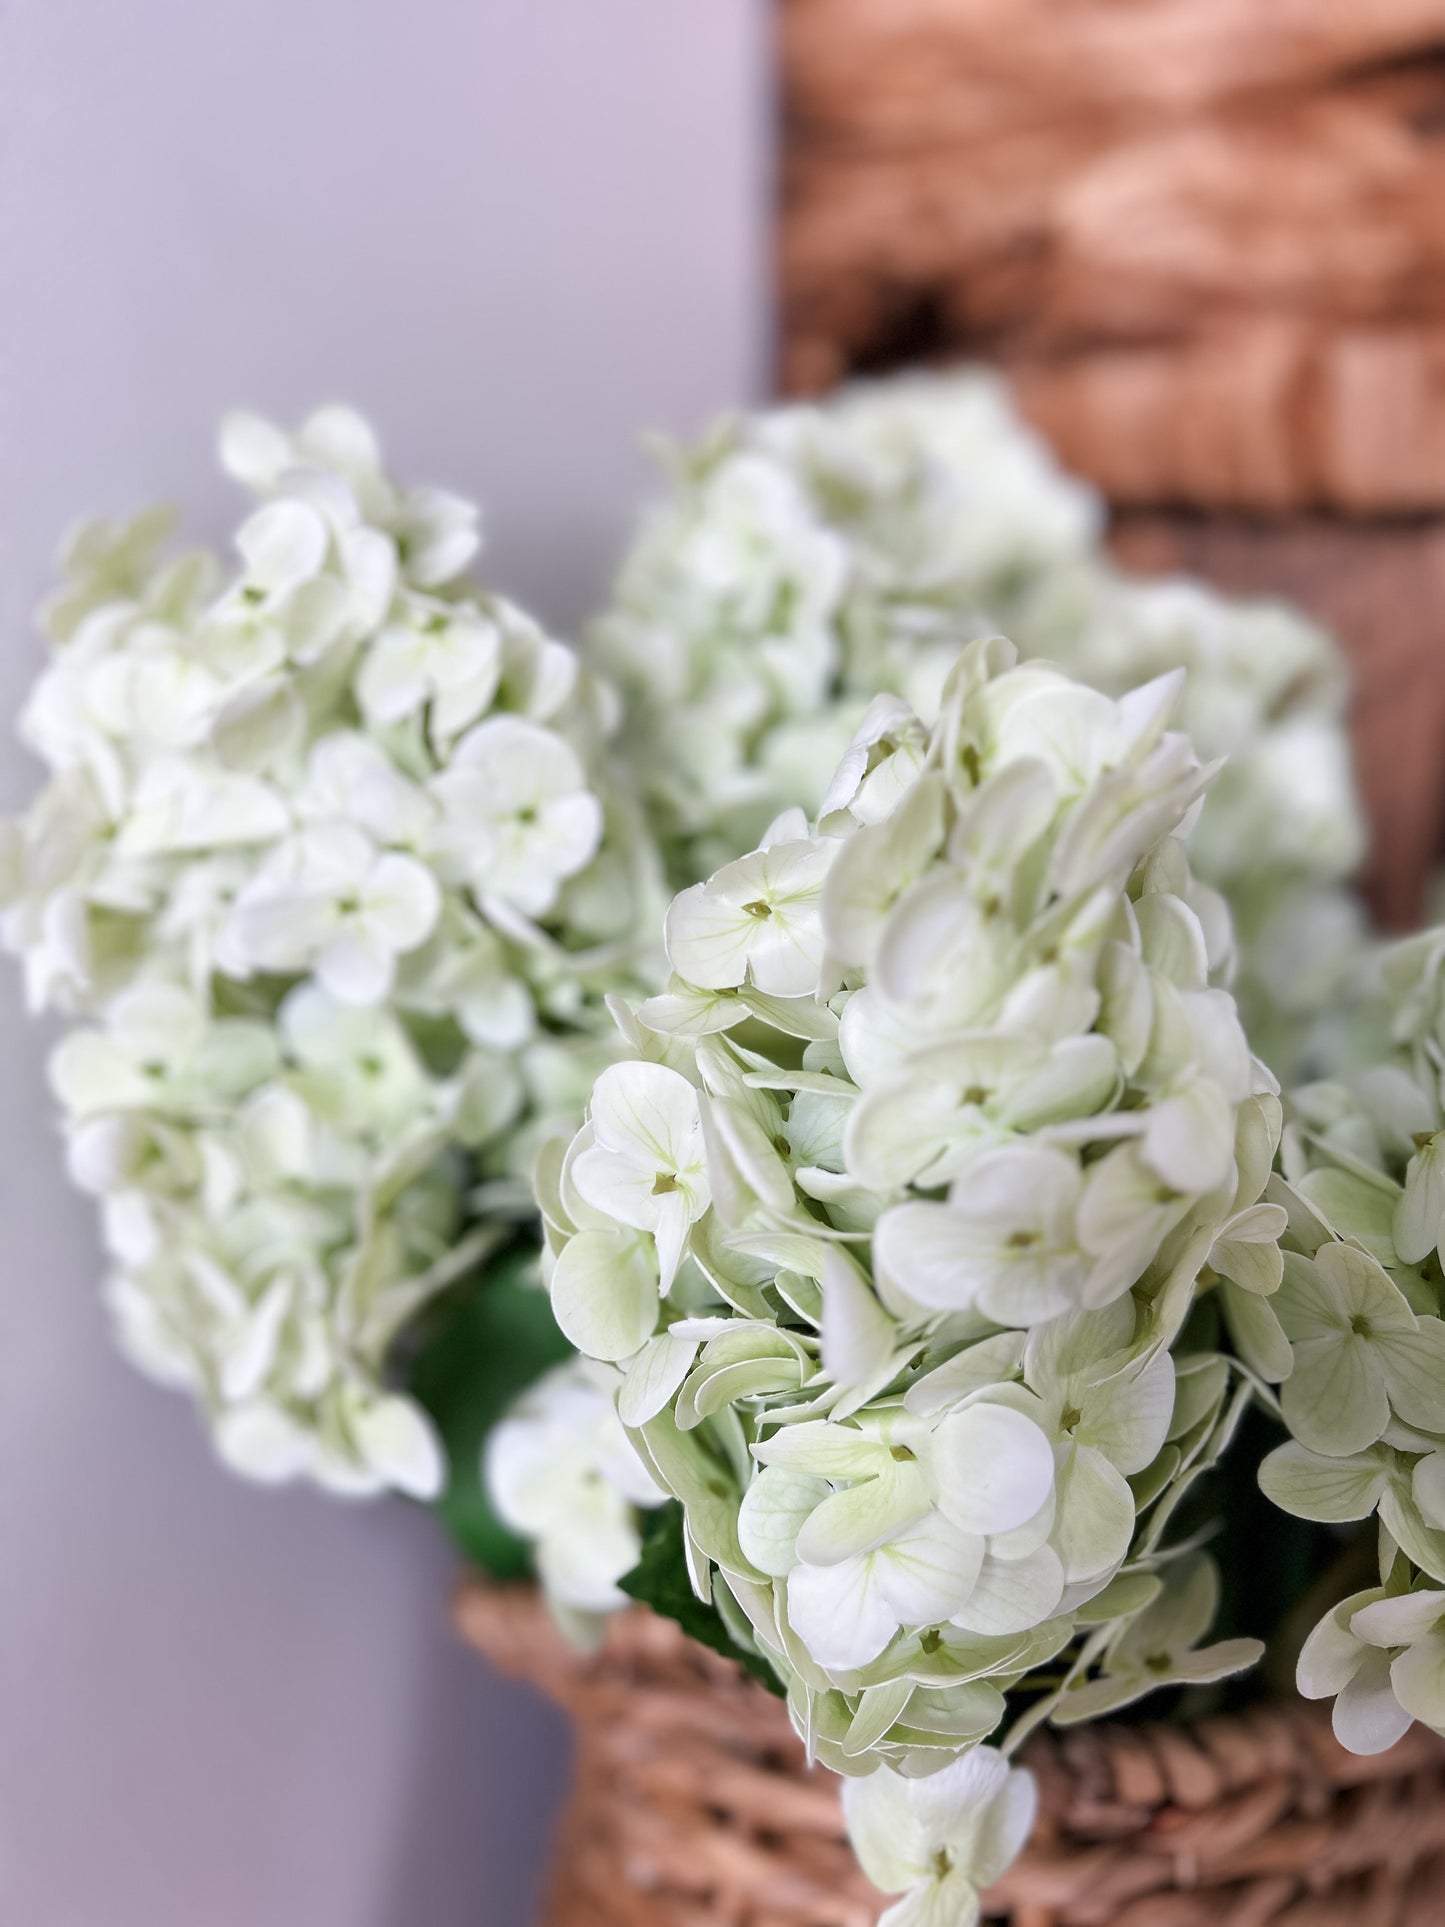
692,1805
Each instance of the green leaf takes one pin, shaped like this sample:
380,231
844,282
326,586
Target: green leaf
484,1348
660,1580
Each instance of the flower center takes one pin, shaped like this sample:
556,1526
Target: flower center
904,1454
664,1182
1360,1325
1021,1240
757,908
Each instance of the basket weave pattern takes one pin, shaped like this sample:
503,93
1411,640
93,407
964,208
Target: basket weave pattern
1207,238
692,1806
1208,234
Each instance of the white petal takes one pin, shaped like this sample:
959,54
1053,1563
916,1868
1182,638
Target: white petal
857,1334
774,1510
402,902
1367,1717
282,545
356,968
398,1441
840,1613
605,1293
994,1468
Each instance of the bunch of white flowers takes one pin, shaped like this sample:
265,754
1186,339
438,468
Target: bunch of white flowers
811,557
806,559
332,866
1355,1339
565,1476
1282,829
891,1228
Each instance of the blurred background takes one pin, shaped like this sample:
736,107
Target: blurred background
518,237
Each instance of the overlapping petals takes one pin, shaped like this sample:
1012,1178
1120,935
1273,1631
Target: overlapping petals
894,1224
336,866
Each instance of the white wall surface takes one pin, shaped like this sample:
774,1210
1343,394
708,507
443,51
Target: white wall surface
517,234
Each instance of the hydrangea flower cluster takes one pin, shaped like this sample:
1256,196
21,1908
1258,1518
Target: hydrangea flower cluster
891,1227
806,559
811,557
1355,1340
1282,830
564,1474
332,869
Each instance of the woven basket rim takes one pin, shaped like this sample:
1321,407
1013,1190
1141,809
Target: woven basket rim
1246,1810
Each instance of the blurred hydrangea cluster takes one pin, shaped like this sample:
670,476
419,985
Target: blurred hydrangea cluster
808,558
331,868
1355,1340
891,1227
564,1474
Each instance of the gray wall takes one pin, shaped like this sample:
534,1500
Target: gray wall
518,235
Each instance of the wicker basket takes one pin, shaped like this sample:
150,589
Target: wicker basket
1207,237
692,1806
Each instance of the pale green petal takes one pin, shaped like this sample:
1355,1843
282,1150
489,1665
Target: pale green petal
653,1377
858,1335
1127,1418
824,1451
1334,1400
1095,1514
1401,1619
986,1363
604,1293
1013,1595
883,1831
1354,1207
1416,1539
1363,1283
1309,1303
1181,1615
863,1516
1367,1717
1427,1485
878,1709
398,1441
1418,1679
1419,1216
1332,1655
774,1509
1333,1490
1414,1368
1257,1334
1189,1139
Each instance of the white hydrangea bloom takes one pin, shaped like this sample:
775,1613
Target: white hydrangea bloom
1355,1339
811,557
1283,828
940,1841
893,1222
1380,1656
562,1471
334,867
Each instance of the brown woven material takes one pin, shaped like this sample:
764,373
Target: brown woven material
692,1806
1208,235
